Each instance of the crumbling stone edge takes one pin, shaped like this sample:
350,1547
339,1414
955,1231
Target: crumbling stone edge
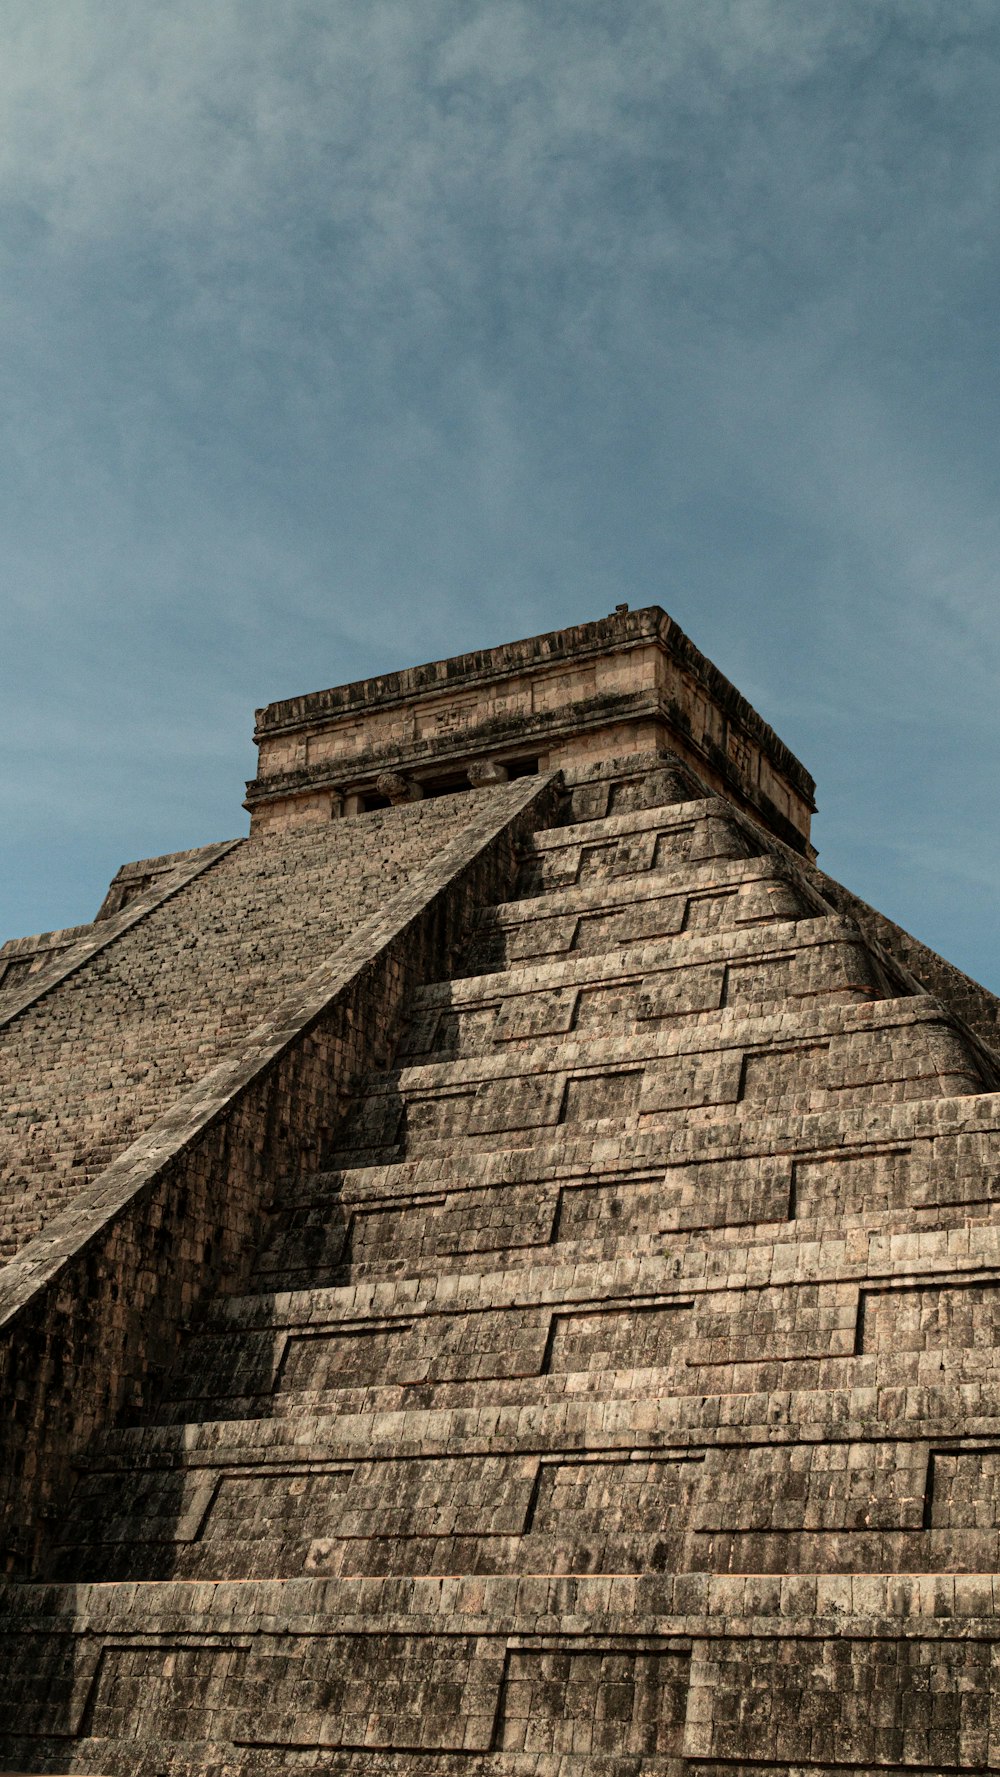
972,1005
978,1009
91,1309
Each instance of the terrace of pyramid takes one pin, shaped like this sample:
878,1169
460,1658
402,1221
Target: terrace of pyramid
501,1267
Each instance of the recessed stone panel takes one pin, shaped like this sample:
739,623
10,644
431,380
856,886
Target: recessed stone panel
535,1015
758,983
571,1699
689,1082
606,1499
627,1338
436,1348
492,1220
961,1318
648,789
591,1097
791,1076
679,993
757,1326
595,861
837,1185
535,938
829,1486
460,1031
598,931
525,1101
711,1194
855,1703
279,1510
47,1681
363,1691
248,1362
433,1115
611,1009
710,910
162,1506
963,1491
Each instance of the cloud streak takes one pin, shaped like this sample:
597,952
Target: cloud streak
340,337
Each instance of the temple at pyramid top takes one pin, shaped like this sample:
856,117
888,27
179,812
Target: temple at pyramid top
628,683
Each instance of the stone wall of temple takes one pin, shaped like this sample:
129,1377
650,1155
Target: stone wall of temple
628,683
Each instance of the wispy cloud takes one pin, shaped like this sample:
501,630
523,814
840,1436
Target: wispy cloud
343,336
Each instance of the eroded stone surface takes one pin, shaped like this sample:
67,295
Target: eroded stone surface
618,1395
86,1067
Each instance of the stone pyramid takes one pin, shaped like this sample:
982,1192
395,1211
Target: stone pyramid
504,1280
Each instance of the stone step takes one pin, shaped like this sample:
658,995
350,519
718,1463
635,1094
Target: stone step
623,1605
579,1204
742,971
837,1506
144,1757
787,1244
877,1409
603,915
753,945
590,1548
431,1376
665,816
719,1341
967,1125
821,1055
613,788
627,845
695,1267
647,1669
169,1471
717,1028
337,1267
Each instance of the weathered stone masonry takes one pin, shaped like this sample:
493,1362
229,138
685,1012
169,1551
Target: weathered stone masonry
559,1336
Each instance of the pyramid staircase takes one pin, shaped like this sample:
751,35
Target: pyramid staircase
620,1399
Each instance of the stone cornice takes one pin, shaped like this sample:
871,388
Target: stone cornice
620,632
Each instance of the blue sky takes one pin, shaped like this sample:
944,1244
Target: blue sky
342,336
